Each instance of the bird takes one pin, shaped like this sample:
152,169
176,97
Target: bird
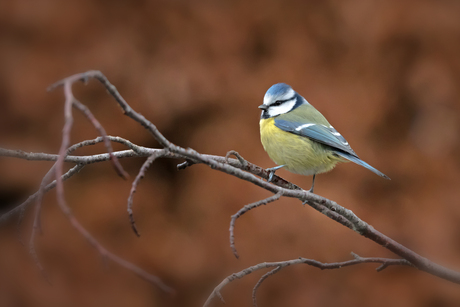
298,138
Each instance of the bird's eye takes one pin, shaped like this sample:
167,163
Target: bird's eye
277,103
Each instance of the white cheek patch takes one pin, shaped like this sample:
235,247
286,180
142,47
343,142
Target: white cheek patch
281,109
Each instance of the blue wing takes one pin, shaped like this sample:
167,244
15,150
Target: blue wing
320,133
326,135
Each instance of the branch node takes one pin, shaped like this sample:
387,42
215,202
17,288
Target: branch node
243,162
184,165
355,256
382,267
219,295
246,171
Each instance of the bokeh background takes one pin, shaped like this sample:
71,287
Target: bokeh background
385,74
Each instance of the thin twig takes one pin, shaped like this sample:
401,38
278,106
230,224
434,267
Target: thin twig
21,208
116,164
243,211
282,264
37,222
250,172
137,151
261,280
38,203
136,181
69,101
243,162
18,225
141,151
184,165
127,110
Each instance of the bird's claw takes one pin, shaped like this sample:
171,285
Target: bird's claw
271,172
270,175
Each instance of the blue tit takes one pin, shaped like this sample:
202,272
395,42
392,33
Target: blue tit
299,138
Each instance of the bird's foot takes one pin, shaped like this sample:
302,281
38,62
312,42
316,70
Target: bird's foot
312,184
271,172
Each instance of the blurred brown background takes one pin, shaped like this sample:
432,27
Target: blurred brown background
385,73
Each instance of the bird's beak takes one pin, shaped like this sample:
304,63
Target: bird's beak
263,107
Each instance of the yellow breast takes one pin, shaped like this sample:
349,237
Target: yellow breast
299,154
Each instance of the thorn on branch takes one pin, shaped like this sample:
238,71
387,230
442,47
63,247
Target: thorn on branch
185,164
355,256
85,79
382,267
219,295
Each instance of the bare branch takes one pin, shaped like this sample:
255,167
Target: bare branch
127,110
136,181
243,211
137,151
18,225
20,208
239,168
140,151
282,264
261,280
69,101
38,202
37,223
184,165
116,164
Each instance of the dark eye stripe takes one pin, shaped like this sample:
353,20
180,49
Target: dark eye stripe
279,102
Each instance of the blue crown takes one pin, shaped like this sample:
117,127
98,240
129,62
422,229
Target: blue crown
278,89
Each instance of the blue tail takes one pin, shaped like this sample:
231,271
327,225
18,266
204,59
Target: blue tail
361,162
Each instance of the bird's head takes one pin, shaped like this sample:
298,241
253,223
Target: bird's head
279,99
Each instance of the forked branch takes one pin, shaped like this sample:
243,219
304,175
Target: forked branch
239,168
277,266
